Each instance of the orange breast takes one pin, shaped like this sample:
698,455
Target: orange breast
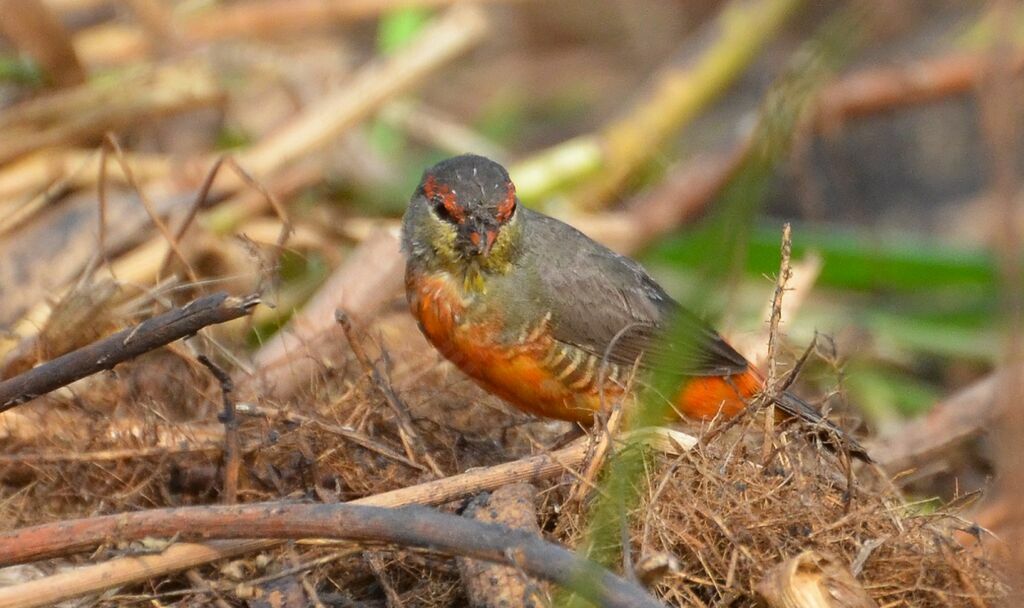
517,372
514,372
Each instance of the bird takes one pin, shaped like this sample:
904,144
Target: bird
551,321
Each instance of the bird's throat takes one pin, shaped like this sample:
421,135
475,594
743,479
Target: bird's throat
473,281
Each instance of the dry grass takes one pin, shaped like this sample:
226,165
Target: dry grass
147,435
148,438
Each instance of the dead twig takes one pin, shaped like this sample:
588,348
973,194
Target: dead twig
770,386
409,526
360,439
875,90
232,455
110,143
204,194
376,563
122,346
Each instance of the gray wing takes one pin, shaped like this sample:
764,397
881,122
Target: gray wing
603,302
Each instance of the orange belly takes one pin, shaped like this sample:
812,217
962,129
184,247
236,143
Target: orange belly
516,372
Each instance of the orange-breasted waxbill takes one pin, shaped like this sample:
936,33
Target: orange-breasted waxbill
530,307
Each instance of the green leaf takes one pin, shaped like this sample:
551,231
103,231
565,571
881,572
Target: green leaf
852,260
885,394
20,70
399,27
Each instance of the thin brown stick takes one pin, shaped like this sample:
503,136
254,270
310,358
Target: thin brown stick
376,563
232,454
204,586
601,446
204,194
408,526
110,140
350,434
106,353
193,210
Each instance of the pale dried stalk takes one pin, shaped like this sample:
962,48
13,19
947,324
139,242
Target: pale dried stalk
813,580
110,43
803,277
772,380
37,174
94,108
785,273
678,95
449,36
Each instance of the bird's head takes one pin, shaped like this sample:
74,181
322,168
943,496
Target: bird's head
463,216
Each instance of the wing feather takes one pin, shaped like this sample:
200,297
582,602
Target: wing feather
604,302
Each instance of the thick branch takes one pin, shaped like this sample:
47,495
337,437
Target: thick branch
875,90
122,346
408,526
126,570
957,419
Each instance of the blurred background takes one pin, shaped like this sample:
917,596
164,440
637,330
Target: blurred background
684,133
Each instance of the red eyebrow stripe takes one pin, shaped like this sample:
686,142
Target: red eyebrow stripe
506,206
434,191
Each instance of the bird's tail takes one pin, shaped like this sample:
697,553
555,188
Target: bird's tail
834,437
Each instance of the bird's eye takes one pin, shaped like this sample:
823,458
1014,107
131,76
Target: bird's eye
442,200
442,211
